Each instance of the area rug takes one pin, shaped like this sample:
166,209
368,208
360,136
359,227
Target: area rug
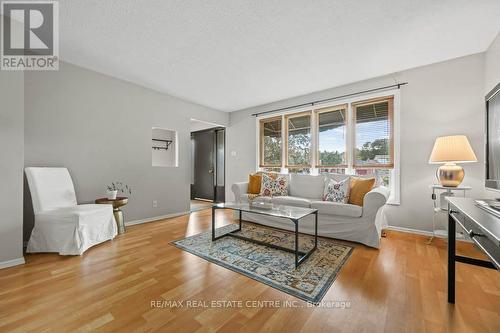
276,268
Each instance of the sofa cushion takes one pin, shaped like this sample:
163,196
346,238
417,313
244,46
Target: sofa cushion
338,177
306,186
291,201
335,208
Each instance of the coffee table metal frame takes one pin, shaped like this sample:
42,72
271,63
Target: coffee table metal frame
300,256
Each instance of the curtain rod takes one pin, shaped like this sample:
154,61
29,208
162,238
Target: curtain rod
329,99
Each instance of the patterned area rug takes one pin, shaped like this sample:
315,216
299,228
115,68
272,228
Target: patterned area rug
273,267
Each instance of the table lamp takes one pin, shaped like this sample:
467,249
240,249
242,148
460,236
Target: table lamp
450,150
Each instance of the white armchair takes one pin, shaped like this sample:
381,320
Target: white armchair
61,225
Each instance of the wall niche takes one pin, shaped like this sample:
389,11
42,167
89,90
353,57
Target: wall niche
164,148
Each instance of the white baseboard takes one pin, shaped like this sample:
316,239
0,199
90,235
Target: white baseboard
410,230
155,218
13,262
424,233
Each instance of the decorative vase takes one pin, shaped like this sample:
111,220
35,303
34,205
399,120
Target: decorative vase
450,174
111,195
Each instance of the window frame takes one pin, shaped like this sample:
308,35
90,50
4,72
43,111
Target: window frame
317,112
297,115
262,121
390,114
395,174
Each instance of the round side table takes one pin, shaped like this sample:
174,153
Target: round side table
117,203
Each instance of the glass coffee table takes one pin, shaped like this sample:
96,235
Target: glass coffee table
291,213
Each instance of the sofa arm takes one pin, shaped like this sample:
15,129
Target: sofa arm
239,189
375,199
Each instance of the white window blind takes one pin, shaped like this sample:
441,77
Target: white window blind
373,146
332,135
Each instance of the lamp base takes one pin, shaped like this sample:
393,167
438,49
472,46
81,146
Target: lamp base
450,174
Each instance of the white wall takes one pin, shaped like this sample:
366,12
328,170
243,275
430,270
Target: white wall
440,99
100,128
11,167
492,65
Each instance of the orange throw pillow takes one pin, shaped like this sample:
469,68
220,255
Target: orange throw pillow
254,183
359,187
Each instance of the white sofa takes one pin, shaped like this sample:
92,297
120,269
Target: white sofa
335,220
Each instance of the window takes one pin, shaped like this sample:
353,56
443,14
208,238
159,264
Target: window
298,131
383,176
270,142
332,134
332,170
271,169
355,137
303,171
373,145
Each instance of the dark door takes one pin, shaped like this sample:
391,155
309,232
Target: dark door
204,164
220,165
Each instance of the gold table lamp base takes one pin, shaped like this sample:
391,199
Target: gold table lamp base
450,174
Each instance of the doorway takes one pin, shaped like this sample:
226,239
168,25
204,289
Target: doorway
208,165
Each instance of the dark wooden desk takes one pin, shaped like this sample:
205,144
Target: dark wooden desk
483,229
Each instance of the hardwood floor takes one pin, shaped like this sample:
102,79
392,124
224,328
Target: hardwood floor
399,288
197,205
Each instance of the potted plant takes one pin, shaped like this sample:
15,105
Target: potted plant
115,188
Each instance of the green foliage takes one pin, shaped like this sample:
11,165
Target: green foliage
272,150
371,149
330,158
299,148
120,187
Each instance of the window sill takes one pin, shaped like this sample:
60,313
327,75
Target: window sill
392,201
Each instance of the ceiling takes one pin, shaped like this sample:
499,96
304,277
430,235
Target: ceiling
234,54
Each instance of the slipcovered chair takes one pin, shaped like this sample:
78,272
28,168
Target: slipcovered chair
61,225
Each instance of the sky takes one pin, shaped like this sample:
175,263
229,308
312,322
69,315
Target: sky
332,140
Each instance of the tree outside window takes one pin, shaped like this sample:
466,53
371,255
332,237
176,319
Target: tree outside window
299,140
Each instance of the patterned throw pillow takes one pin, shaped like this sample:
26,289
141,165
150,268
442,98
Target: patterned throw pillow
336,191
271,186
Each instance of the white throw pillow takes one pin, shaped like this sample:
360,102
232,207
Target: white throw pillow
336,191
271,186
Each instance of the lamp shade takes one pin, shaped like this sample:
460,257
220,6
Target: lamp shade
454,148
